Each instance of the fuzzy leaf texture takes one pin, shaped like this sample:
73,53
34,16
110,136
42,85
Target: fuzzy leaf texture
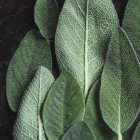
120,85
82,36
63,107
46,17
127,135
136,135
131,24
28,125
33,51
79,131
93,116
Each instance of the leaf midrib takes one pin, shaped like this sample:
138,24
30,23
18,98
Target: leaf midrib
119,105
86,54
119,119
38,108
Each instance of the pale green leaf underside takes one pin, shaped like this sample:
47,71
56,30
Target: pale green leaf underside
63,107
33,51
131,23
46,17
28,125
120,85
93,116
136,135
82,36
79,131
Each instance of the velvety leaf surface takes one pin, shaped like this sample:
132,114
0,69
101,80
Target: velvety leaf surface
127,135
120,85
82,37
32,52
64,106
46,17
131,23
136,135
93,116
28,125
79,131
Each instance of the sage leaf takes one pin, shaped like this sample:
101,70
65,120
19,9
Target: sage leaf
127,135
79,131
28,125
32,52
46,17
136,135
63,107
82,36
120,85
130,132
131,24
93,116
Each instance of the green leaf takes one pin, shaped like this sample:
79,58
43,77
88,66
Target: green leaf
131,23
28,125
32,52
93,116
63,107
136,135
46,17
82,37
120,85
127,135
79,131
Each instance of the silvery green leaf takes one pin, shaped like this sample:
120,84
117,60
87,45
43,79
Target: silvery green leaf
93,116
79,131
28,125
63,107
46,17
136,135
33,51
120,85
131,24
82,37
127,135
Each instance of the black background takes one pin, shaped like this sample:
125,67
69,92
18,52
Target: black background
16,19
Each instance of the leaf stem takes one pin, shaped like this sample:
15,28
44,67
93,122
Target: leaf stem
120,136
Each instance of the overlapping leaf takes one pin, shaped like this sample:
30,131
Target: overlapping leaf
131,24
93,115
28,125
136,135
120,85
79,131
32,52
82,37
64,106
46,17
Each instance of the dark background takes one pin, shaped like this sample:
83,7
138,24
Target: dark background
16,19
